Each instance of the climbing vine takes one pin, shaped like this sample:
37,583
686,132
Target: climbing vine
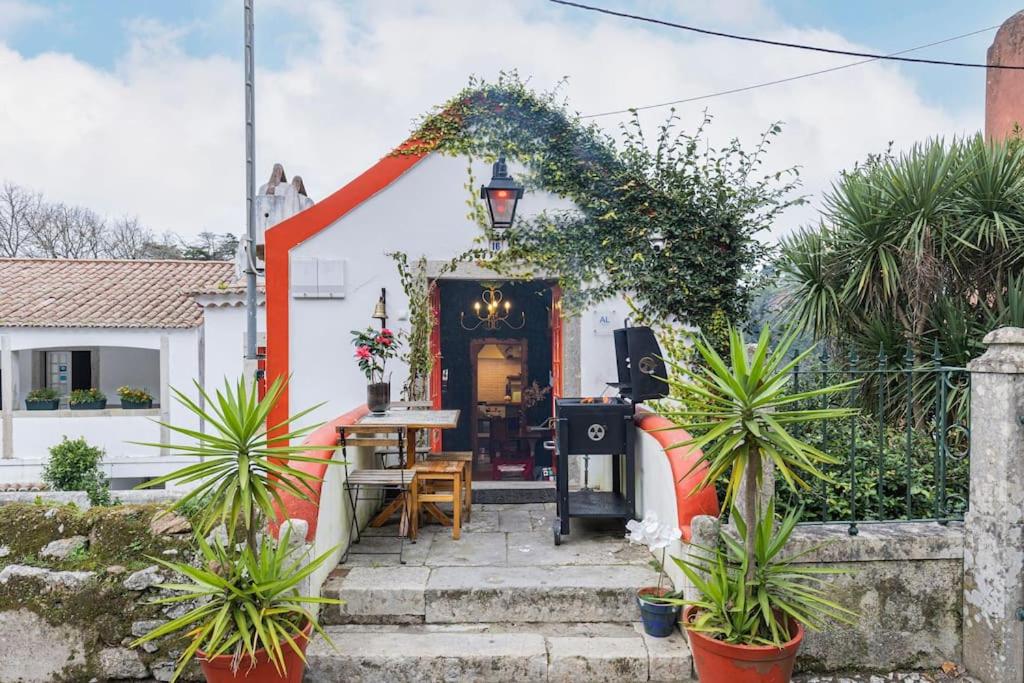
708,204
419,287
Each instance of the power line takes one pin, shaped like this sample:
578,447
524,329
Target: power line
777,43
788,79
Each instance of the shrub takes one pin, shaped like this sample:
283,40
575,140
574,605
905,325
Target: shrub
134,394
74,465
44,394
86,396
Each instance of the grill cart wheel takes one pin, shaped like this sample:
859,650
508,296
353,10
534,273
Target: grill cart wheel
556,528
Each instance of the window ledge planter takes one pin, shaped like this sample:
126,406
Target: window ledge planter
101,404
136,405
42,404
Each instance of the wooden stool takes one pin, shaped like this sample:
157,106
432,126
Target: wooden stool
428,473
466,458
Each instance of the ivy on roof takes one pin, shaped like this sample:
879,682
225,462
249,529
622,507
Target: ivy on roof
708,203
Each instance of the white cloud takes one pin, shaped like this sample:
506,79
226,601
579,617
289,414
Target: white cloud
161,134
17,14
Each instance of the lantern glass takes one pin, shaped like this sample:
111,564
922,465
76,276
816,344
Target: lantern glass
502,204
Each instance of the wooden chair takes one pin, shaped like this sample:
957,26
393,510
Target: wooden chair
433,478
466,458
402,482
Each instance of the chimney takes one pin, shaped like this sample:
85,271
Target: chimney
1004,88
277,200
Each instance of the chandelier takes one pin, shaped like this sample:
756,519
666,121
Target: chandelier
491,312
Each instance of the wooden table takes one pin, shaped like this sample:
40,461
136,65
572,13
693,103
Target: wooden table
409,421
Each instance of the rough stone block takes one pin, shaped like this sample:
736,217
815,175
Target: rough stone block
23,634
121,663
668,659
595,660
62,548
472,550
535,594
377,595
421,657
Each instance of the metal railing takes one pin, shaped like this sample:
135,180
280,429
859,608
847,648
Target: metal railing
904,457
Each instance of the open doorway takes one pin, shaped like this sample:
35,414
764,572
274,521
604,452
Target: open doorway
498,373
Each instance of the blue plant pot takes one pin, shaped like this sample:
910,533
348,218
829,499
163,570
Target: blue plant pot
659,620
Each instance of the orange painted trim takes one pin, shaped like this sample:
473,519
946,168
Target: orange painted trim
309,510
281,238
689,502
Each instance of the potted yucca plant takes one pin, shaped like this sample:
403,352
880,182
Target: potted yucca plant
250,624
754,601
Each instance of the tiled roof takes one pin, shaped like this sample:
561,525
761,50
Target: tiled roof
105,293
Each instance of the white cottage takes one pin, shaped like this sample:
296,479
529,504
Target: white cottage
103,324
328,266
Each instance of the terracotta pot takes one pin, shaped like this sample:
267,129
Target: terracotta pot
718,662
218,669
378,397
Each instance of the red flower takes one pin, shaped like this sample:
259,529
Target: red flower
363,352
386,333
384,341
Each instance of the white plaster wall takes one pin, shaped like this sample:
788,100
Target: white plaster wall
120,366
657,493
423,213
35,433
224,344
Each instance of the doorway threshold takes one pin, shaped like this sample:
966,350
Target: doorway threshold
506,492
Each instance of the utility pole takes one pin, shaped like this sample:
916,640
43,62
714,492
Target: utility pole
250,189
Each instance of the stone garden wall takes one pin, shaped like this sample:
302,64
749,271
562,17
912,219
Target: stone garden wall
905,580
76,588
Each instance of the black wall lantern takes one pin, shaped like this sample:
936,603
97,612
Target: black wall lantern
502,194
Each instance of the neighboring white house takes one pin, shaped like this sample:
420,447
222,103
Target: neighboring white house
80,324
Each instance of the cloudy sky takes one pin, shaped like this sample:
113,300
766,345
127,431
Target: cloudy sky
135,106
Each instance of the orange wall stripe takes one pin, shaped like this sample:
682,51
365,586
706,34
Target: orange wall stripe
281,238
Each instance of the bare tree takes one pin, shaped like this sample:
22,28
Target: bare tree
21,211
126,238
71,232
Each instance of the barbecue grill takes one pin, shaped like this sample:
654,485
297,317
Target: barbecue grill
604,426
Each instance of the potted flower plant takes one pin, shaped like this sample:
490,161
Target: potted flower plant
658,610
754,603
249,622
87,399
134,399
373,349
42,399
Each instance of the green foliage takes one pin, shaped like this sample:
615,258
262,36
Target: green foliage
134,394
242,469
248,597
74,465
43,394
758,611
902,467
419,288
79,396
740,413
706,203
247,602
920,250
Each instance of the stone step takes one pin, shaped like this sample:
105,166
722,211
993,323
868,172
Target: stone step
528,594
498,652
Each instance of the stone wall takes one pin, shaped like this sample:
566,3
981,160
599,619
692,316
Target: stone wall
76,589
905,580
